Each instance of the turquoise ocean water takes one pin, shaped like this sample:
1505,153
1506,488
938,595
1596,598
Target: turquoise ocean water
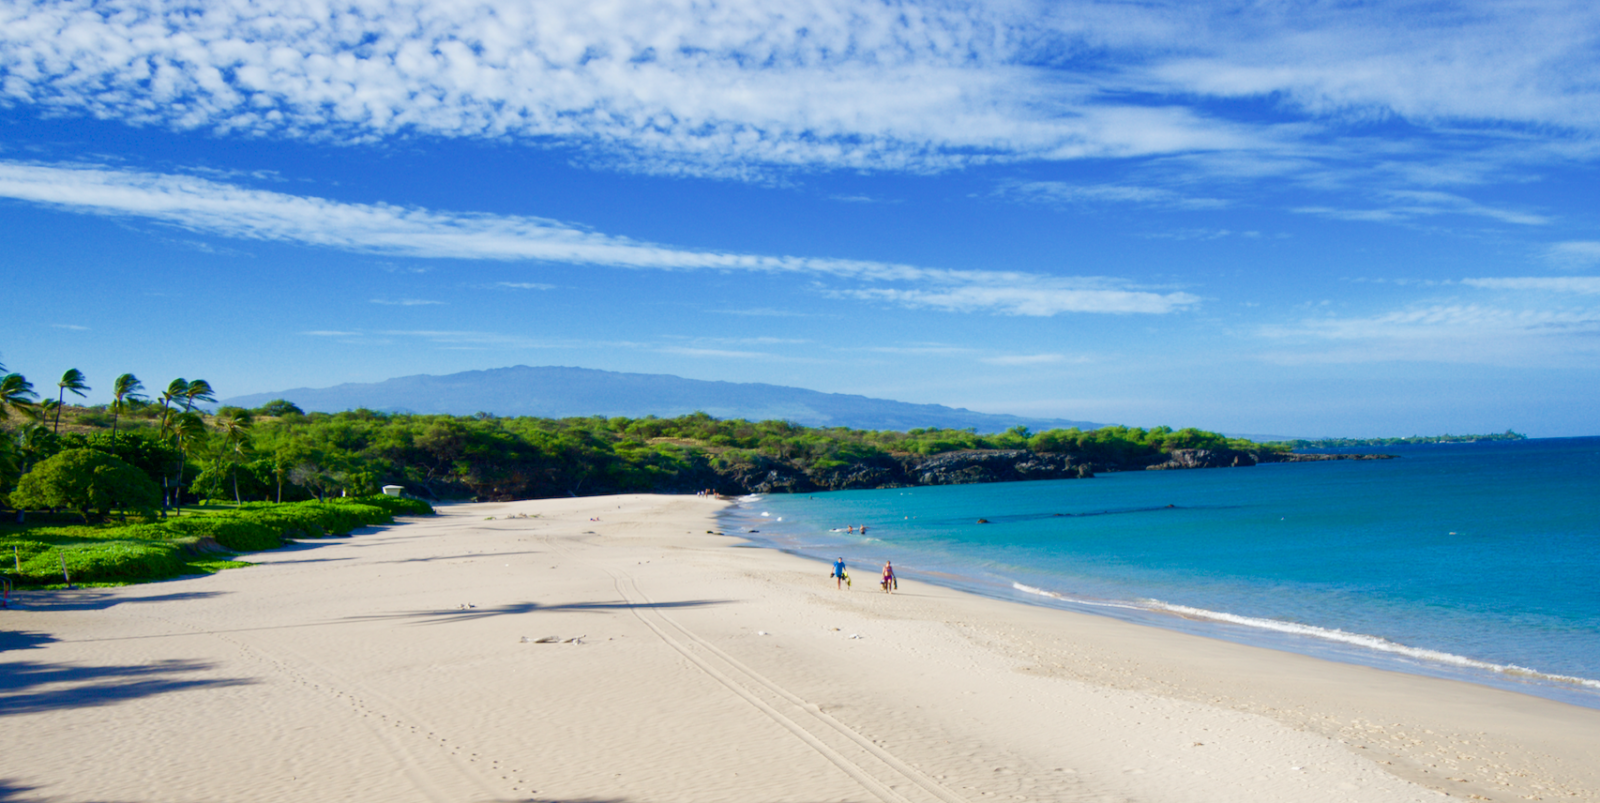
1479,562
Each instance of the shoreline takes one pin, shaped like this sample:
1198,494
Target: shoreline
391,665
1312,641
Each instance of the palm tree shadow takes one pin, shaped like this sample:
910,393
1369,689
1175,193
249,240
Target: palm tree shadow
24,640
32,687
12,791
469,614
97,599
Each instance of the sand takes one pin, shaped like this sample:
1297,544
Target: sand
403,663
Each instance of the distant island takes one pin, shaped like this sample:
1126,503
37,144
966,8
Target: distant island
1359,443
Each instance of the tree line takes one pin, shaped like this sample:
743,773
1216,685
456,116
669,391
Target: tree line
157,451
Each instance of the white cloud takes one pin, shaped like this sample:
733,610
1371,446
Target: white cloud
228,210
937,349
689,351
406,302
767,312
72,327
669,85
730,87
1025,359
1060,193
1579,254
1041,298
1576,285
525,285
1450,332
1427,63
1405,205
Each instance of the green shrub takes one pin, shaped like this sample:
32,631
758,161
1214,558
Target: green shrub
233,532
395,505
165,548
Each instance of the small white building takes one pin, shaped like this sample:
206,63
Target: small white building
394,490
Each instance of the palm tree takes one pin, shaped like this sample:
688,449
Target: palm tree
198,390
72,380
45,409
16,396
187,428
124,390
235,429
175,390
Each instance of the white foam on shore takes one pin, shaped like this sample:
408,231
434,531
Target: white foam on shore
1376,643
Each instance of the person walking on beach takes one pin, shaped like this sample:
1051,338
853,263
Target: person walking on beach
889,582
838,573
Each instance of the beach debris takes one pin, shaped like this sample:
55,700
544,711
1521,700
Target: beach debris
855,635
548,640
464,606
524,639
762,633
575,639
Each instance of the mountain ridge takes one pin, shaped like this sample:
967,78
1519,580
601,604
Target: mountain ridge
564,392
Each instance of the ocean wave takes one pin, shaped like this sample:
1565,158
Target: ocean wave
1376,643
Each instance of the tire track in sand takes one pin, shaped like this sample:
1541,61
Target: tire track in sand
879,772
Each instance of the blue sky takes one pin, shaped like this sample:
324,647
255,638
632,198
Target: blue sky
1282,218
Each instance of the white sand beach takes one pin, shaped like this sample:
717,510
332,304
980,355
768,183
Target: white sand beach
404,663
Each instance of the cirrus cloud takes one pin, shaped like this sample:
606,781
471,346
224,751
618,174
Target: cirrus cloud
211,207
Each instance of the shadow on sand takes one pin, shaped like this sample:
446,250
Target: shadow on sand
97,599
31,687
13,791
468,614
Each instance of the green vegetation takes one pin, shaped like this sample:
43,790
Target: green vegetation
278,453
89,481
35,554
1353,443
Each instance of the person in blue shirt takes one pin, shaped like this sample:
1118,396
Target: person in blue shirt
838,573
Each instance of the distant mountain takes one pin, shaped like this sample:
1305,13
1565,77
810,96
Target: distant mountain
552,392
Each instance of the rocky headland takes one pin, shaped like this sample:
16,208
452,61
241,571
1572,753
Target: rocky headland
968,467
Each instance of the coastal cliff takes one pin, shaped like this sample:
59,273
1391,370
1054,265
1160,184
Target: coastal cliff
766,476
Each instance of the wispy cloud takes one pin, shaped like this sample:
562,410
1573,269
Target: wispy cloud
70,327
1579,254
1575,285
1025,359
690,351
767,312
525,285
1038,298
927,349
406,302
1406,205
1452,332
1060,193
228,210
